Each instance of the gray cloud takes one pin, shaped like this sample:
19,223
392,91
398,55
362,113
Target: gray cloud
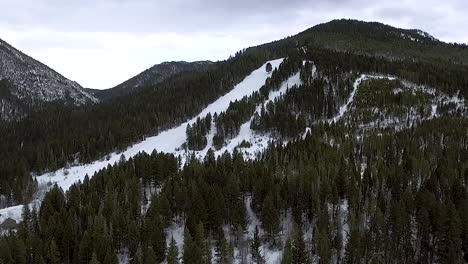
144,32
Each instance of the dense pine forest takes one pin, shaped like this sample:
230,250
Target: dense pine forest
405,197
383,182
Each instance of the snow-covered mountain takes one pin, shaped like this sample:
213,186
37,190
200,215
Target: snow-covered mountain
26,83
149,78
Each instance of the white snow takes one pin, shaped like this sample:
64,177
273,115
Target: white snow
271,255
13,212
258,142
433,110
343,218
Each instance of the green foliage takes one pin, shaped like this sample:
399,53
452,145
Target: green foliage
173,253
196,134
404,190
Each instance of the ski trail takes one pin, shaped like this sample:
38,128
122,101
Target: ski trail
344,108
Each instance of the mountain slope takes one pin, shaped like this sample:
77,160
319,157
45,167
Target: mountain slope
334,156
333,131
149,78
26,84
48,140
378,39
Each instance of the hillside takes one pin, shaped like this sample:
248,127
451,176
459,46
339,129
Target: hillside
26,85
334,154
150,78
382,40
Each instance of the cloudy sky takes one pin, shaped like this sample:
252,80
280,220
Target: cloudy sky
100,43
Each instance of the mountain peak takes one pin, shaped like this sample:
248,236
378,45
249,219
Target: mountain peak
31,84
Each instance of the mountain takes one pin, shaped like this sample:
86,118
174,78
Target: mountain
149,78
315,148
26,85
377,39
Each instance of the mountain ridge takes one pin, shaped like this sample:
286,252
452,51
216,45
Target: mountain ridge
149,78
31,84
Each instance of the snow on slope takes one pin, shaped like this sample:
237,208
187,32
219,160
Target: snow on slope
33,83
258,142
168,141
357,83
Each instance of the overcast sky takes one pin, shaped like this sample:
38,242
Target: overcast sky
101,43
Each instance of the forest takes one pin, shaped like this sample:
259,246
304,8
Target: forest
387,183
405,195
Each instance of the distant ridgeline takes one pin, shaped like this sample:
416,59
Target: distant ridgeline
368,160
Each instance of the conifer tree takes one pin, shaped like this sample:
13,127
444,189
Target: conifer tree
138,258
173,253
287,253
150,257
85,249
192,252
110,258
53,254
224,252
299,252
94,259
270,218
255,247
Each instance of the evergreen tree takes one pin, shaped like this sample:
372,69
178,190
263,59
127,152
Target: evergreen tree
150,257
53,254
224,252
298,249
270,218
255,248
110,258
173,253
94,260
287,253
85,249
192,252
138,258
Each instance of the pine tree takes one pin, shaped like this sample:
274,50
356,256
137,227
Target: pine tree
270,218
173,253
202,244
158,238
150,257
53,254
94,259
287,253
224,252
299,253
20,252
110,258
85,250
192,253
26,216
255,248
138,258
